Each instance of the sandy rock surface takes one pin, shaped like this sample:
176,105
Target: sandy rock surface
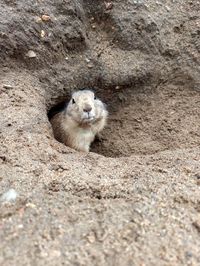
133,200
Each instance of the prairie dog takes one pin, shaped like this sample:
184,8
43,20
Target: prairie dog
83,118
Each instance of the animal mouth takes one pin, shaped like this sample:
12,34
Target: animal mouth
88,119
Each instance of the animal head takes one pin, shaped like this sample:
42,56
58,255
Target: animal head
84,107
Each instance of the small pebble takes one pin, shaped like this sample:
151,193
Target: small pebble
109,5
42,34
20,226
91,238
55,253
9,196
7,86
38,19
31,205
45,17
31,54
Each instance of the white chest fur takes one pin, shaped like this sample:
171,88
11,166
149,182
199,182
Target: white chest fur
83,138
78,137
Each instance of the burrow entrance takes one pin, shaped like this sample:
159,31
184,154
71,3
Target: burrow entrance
149,120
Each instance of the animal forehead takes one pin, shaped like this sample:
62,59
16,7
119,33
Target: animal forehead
85,94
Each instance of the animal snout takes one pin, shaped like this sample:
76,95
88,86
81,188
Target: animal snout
87,109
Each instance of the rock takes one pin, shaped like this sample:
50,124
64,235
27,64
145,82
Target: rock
38,19
45,18
31,54
42,33
108,5
7,86
9,196
90,65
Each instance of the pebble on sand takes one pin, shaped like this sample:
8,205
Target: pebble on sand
45,17
9,196
31,54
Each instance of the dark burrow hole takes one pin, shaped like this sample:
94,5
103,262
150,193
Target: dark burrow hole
147,121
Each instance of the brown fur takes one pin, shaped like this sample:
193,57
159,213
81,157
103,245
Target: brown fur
76,128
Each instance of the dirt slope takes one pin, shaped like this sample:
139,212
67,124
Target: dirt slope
135,199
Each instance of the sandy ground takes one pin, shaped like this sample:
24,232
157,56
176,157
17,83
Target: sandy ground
133,200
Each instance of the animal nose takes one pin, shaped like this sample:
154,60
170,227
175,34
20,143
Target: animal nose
87,109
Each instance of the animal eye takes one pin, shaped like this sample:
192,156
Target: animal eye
95,97
73,101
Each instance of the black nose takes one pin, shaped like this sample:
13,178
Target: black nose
87,109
